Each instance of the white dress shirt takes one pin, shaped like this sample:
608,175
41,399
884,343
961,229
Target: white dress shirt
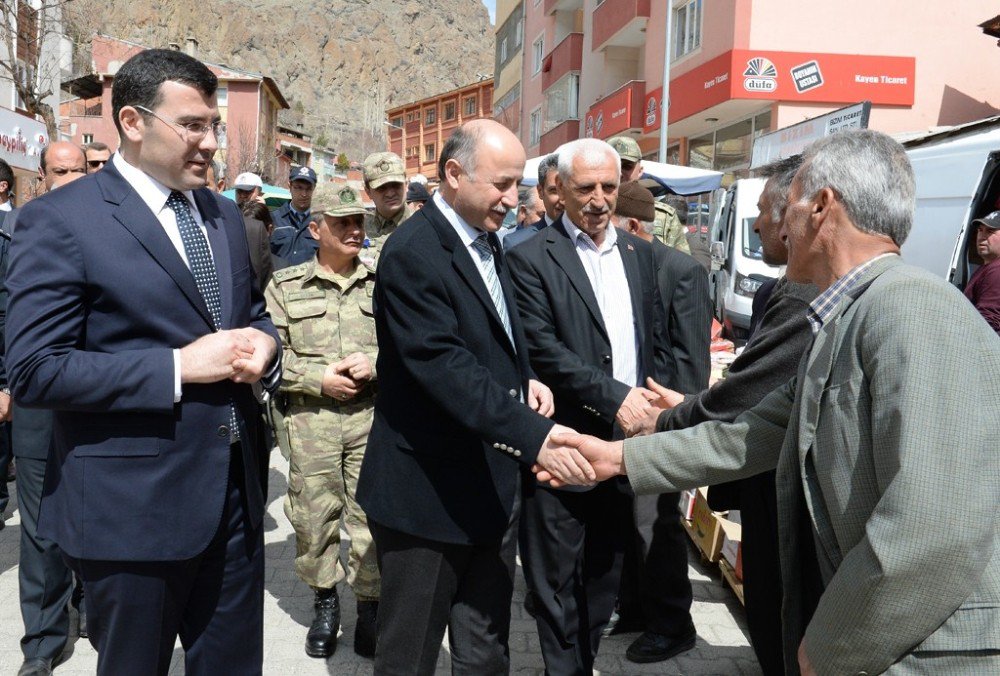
154,194
606,272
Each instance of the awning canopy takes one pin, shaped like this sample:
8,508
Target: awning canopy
273,195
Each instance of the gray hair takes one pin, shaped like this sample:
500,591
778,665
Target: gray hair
619,222
871,175
591,151
779,175
461,147
548,163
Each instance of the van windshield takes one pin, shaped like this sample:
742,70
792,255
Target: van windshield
751,240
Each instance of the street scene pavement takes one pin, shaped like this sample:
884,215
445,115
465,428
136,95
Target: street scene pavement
723,648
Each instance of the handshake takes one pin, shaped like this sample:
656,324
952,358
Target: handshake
568,458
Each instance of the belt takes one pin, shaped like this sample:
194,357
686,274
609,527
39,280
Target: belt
295,399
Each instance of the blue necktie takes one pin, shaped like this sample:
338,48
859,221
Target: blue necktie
203,268
485,251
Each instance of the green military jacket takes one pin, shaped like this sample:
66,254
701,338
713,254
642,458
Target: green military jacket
377,226
668,228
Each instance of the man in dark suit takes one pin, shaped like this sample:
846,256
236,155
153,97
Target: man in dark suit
143,337
656,593
587,295
6,184
45,582
549,196
290,239
458,415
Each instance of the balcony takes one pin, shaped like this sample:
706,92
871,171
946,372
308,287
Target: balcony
555,137
553,6
566,57
620,23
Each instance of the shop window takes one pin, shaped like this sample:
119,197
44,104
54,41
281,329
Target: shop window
732,146
687,28
702,151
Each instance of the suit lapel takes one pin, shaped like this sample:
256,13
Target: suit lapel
633,275
560,248
135,216
215,227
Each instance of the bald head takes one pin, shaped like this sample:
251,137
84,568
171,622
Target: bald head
480,167
60,163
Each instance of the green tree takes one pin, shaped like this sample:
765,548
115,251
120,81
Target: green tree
343,164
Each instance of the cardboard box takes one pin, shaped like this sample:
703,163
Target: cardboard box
732,534
686,504
706,529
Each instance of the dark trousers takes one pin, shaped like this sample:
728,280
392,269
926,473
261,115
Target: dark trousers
44,580
6,456
428,586
214,602
572,549
655,588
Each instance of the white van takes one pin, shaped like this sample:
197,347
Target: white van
957,181
738,268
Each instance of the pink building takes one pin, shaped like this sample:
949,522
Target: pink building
248,103
740,68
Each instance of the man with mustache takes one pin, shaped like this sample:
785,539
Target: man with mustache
144,337
323,312
586,292
385,183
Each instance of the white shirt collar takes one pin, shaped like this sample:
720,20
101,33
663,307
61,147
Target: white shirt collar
610,237
466,232
548,221
150,191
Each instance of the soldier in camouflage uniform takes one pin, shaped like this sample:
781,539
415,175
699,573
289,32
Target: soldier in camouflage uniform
667,227
323,311
385,182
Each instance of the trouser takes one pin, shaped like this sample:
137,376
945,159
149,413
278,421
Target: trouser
6,457
428,586
655,587
45,582
214,602
327,447
572,552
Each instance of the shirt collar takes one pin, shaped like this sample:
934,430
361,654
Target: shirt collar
575,233
153,193
548,221
466,232
823,305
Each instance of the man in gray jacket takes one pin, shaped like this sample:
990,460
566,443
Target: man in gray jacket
885,417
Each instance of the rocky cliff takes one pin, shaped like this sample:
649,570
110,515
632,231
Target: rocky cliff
340,63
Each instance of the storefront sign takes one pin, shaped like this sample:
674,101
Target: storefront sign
616,113
21,140
791,77
794,139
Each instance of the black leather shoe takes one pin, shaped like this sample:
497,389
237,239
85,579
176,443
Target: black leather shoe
36,666
652,647
321,640
365,631
622,625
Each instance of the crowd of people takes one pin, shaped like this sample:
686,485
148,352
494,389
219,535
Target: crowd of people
456,392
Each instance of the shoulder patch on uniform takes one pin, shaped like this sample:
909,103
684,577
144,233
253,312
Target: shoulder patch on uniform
290,273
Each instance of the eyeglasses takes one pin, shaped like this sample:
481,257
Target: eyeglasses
96,164
194,131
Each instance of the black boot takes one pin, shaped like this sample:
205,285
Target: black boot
365,630
321,640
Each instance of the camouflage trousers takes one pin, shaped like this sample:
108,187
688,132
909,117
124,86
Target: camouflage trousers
327,447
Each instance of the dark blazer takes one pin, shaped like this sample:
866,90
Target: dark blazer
260,251
684,364
523,234
569,344
293,243
132,476
450,432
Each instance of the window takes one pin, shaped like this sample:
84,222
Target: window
537,54
412,151
535,127
429,154
88,138
469,107
396,122
687,28
222,96
430,116
517,32
562,102
503,50
449,111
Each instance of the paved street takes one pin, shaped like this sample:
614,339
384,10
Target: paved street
722,645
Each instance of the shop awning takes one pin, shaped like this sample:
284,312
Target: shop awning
273,195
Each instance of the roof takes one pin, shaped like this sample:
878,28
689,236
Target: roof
477,84
911,141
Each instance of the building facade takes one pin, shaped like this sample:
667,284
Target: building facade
418,130
248,103
740,68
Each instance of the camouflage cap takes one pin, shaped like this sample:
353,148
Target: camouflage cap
626,147
344,202
382,168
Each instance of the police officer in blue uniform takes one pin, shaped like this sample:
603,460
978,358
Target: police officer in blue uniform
291,239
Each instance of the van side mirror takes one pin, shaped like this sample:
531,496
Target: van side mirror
718,253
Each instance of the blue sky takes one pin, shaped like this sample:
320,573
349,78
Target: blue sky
492,6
